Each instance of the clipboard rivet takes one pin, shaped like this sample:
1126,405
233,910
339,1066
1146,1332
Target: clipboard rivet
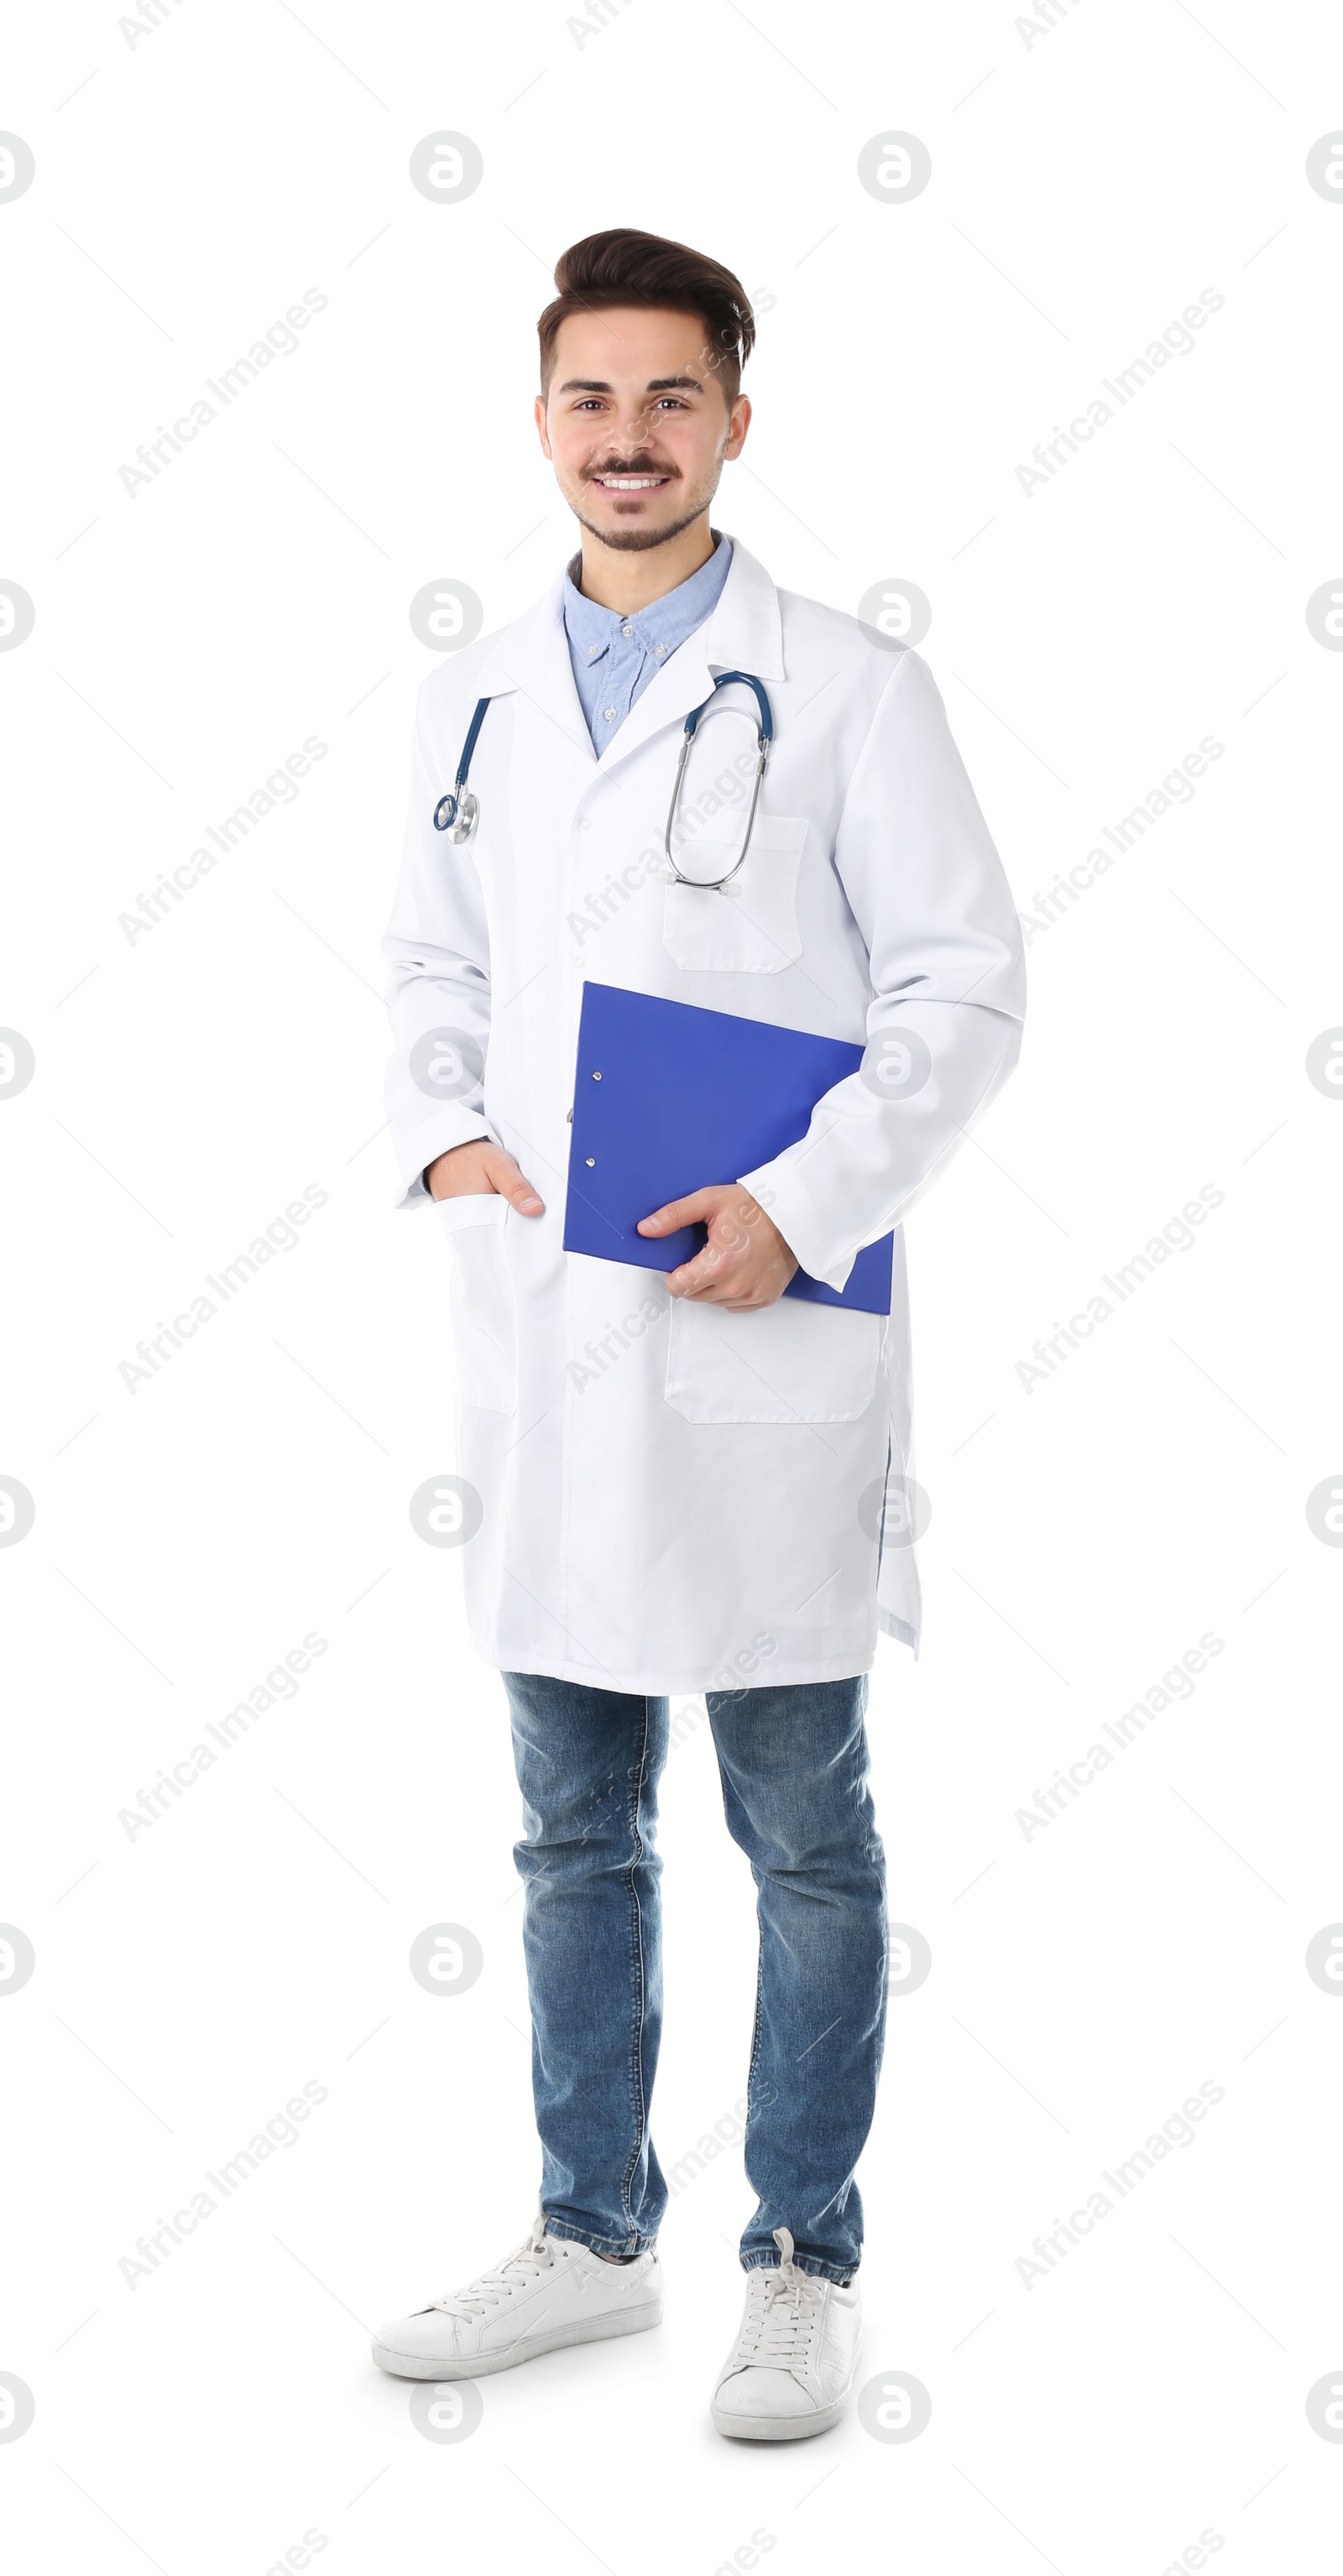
596,1077
591,1161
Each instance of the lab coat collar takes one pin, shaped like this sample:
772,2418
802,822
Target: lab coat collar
743,633
533,655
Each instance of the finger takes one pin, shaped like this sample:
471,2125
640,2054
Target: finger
694,1210
512,1184
703,1276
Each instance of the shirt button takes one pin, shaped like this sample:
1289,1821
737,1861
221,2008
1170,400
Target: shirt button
610,714
627,630
593,648
658,651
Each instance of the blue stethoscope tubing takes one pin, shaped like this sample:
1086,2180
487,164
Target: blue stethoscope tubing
459,812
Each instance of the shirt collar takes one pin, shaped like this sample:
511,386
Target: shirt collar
667,621
743,633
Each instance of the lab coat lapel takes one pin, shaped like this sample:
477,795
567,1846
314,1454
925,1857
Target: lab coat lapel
533,655
744,632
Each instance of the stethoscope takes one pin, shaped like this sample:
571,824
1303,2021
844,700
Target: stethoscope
458,812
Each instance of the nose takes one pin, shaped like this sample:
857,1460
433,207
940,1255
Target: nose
634,432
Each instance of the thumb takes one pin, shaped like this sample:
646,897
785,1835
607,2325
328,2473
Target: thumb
696,1209
508,1178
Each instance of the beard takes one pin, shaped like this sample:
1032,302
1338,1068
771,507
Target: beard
641,540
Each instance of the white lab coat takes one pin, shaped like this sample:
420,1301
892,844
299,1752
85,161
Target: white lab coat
675,1498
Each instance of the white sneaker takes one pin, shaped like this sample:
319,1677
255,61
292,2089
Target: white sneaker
549,2291
791,2369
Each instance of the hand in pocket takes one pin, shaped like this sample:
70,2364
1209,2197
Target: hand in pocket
470,1171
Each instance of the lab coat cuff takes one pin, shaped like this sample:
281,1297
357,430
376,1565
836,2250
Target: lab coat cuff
437,1136
781,1194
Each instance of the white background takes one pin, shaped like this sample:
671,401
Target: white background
1086,185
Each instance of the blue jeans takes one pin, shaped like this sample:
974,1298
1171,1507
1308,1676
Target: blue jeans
793,1765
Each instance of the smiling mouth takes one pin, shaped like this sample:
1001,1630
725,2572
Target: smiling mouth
631,482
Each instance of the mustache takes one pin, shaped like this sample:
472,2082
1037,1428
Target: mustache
629,465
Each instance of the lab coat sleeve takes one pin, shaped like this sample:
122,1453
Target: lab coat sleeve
929,894
437,947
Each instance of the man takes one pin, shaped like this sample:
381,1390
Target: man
690,1481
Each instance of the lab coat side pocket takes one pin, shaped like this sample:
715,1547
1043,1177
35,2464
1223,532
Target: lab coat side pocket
789,1362
751,927
483,1309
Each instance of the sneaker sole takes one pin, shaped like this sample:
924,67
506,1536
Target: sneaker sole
622,2321
778,2428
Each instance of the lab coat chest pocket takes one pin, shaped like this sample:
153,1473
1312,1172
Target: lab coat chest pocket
484,1318
789,1362
751,927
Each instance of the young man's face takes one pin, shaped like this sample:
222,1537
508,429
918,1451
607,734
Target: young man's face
636,424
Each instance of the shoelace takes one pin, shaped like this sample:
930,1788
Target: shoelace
533,2257
782,2311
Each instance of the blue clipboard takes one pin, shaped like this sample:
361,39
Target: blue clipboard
670,1098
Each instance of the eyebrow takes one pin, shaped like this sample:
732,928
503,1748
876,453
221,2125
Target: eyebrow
655,385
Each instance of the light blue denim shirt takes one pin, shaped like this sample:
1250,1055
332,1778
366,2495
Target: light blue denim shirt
615,657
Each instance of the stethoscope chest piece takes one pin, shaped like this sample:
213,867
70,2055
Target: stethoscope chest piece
458,814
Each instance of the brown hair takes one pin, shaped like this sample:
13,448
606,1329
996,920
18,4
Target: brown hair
627,267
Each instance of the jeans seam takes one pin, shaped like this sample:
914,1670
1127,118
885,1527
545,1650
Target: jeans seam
599,2244
814,2265
759,2008
866,1841
636,2054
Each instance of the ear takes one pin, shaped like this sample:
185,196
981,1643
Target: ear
540,415
741,422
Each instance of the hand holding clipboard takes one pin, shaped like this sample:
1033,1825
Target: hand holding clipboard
670,1101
